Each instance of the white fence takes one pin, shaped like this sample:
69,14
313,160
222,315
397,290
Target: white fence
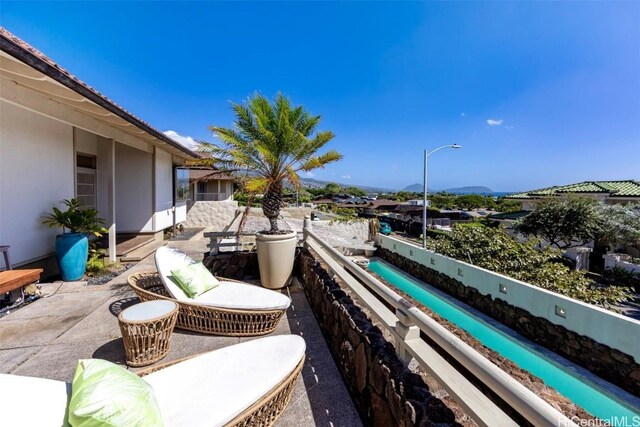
405,323
620,261
604,326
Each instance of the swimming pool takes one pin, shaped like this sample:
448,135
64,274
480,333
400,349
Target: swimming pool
579,390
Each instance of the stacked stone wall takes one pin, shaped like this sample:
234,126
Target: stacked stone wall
233,265
385,392
606,362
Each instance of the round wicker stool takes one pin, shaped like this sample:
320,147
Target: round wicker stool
146,331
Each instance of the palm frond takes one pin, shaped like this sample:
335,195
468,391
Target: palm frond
320,161
271,142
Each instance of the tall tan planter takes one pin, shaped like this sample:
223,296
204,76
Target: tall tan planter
275,258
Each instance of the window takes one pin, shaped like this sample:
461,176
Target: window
182,184
86,180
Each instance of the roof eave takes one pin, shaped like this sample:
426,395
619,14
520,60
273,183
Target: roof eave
31,59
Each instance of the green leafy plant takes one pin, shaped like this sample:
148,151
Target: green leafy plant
495,250
75,219
270,144
95,261
619,224
620,277
564,223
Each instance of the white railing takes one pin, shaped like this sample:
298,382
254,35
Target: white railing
230,241
211,197
406,322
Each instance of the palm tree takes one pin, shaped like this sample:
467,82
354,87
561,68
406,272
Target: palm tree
271,144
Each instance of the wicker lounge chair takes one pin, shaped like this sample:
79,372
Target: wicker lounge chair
252,390
234,308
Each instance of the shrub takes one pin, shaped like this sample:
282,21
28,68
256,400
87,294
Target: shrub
495,250
620,277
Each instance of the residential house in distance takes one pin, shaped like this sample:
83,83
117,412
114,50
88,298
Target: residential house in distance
59,139
209,185
609,192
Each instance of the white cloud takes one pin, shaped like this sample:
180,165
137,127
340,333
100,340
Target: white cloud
346,177
187,141
308,174
494,122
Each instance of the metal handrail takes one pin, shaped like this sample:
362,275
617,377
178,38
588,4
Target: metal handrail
529,405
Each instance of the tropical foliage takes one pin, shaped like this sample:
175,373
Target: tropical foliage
576,221
563,223
619,224
494,249
270,144
76,219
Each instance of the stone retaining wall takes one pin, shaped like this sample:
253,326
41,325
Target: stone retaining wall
385,392
217,215
233,265
610,364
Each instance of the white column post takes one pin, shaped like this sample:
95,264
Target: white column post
407,330
111,198
308,224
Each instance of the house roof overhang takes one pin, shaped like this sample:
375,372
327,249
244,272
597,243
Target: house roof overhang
29,68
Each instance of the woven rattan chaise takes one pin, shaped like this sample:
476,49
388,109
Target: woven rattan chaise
234,308
247,384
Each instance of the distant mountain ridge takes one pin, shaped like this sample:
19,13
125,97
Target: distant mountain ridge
317,183
414,188
473,189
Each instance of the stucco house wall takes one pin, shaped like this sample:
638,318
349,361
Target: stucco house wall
36,172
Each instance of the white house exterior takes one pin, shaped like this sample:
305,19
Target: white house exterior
208,185
61,139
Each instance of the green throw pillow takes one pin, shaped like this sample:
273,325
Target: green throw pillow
195,279
107,395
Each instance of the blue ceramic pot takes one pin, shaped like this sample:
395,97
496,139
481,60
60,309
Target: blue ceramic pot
72,250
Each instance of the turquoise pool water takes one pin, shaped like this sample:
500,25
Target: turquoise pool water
580,391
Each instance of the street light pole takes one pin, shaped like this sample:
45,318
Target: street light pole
424,191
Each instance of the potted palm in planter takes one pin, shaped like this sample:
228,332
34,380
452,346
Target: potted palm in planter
270,144
72,248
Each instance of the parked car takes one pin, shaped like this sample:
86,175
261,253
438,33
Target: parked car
385,228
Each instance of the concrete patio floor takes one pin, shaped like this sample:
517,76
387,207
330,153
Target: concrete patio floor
75,321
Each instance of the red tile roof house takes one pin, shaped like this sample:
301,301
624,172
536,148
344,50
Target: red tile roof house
60,138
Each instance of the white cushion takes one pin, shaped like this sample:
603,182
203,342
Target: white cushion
242,296
215,387
29,401
167,260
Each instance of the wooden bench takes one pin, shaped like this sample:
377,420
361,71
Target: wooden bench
14,279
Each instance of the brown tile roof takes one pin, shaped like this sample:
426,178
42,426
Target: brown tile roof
31,56
208,175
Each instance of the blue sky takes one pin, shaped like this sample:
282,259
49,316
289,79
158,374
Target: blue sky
537,93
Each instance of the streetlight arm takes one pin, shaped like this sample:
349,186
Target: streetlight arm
440,148
424,189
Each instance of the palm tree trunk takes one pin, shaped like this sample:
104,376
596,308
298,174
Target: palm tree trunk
271,204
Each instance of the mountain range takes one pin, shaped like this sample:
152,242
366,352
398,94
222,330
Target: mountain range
474,189
316,183
415,188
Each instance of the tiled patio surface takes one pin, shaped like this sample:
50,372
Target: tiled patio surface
75,321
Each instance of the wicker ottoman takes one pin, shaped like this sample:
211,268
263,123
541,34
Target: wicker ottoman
146,331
